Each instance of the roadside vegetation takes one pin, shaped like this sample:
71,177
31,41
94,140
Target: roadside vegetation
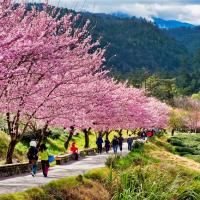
149,172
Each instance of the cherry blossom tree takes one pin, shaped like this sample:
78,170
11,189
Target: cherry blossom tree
192,107
39,55
51,73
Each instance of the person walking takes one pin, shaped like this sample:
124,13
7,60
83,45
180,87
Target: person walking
74,150
143,134
99,143
115,144
107,145
44,155
120,139
149,133
33,157
130,142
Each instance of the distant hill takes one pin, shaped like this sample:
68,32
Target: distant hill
136,43
170,24
190,37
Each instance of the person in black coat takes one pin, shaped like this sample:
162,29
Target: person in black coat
33,157
115,144
99,143
107,145
120,139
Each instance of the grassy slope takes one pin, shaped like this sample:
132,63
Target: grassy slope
152,173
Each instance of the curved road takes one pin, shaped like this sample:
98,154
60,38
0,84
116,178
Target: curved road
23,182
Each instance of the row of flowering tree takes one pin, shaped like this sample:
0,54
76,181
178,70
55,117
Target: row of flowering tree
186,116
51,73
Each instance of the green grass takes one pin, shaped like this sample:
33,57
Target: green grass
73,188
187,145
44,192
137,176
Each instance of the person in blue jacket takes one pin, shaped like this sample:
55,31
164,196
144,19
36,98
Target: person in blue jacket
99,143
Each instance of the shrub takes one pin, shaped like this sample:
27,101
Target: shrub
177,143
137,145
197,139
189,194
112,161
169,140
55,134
183,153
97,174
185,149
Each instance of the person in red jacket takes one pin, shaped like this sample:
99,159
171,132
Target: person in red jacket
149,134
74,150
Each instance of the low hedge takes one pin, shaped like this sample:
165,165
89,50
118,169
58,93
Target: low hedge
176,142
187,150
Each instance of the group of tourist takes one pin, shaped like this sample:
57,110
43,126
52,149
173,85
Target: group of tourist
116,143
34,153
147,133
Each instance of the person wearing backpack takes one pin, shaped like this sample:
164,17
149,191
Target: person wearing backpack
33,157
44,155
115,143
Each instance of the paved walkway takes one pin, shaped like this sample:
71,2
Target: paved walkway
23,182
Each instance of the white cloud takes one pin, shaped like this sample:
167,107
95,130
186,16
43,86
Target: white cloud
183,10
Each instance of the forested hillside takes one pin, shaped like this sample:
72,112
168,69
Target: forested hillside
190,37
138,49
137,44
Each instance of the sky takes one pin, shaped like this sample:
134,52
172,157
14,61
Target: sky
182,10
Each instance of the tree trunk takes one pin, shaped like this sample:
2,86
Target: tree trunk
40,140
86,140
108,133
103,133
68,140
43,135
10,151
173,130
